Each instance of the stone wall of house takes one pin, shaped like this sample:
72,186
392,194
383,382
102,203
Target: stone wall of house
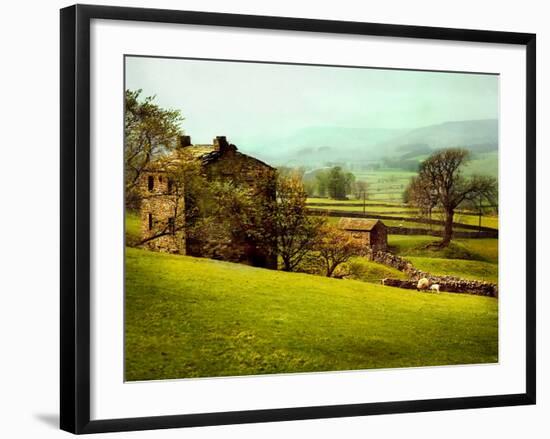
361,237
162,214
243,170
374,240
379,238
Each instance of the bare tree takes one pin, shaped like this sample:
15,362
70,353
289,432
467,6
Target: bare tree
440,183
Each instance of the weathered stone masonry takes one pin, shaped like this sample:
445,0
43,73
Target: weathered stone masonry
162,213
218,161
450,284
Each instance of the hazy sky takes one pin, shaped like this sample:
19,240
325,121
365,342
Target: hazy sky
243,100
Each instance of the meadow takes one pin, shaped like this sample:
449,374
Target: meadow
185,317
467,258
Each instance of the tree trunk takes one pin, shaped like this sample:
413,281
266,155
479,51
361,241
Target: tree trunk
331,268
286,264
448,231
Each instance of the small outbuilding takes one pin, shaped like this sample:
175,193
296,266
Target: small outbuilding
371,233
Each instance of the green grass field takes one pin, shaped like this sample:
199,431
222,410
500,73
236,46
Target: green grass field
192,317
369,271
399,210
352,202
379,210
133,227
485,250
486,220
477,270
403,223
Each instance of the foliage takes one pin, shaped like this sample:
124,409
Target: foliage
336,247
193,317
149,131
226,213
322,183
339,183
296,232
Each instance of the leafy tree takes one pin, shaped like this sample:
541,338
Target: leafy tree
350,182
149,132
336,247
322,183
309,187
227,212
338,183
297,232
440,183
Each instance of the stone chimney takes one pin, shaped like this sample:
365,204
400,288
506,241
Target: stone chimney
184,141
221,144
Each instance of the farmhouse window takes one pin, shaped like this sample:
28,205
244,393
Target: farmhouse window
172,225
151,182
150,221
170,183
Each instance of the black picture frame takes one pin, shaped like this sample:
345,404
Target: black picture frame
75,217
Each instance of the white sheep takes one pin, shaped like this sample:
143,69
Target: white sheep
435,287
423,284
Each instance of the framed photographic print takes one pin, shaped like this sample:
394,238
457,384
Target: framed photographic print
272,218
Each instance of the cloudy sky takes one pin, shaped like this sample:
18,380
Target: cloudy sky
247,100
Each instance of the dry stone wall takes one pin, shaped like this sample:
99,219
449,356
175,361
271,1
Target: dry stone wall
450,284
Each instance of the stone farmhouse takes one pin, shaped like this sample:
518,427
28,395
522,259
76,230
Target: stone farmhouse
371,233
163,202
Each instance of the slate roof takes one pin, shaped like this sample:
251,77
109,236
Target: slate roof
209,153
358,224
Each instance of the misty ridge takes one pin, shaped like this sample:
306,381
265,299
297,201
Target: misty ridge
364,148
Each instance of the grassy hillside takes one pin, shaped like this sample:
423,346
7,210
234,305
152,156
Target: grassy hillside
472,249
476,270
132,227
192,317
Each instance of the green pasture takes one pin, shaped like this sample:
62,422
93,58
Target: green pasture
191,317
477,270
133,227
485,249
350,201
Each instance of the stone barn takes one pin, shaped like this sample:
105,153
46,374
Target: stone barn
371,233
163,206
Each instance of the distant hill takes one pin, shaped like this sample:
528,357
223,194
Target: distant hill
475,135
319,146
